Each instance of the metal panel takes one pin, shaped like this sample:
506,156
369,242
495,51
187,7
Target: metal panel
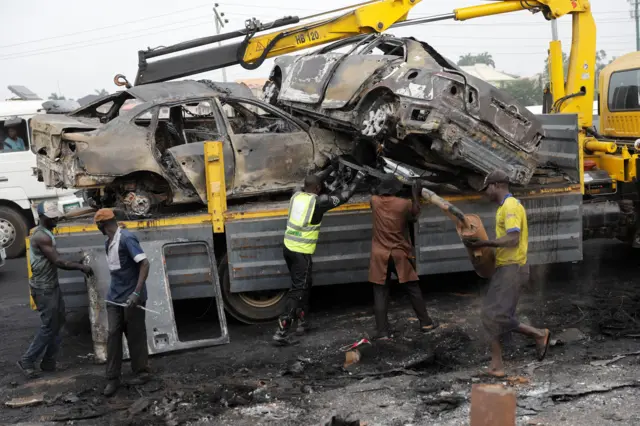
254,248
162,332
555,233
559,147
185,266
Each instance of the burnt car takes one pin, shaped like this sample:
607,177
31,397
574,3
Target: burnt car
144,147
401,93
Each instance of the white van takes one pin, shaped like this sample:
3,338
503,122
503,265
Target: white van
19,186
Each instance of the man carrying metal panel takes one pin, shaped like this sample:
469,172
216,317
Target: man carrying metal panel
45,291
129,269
511,244
306,209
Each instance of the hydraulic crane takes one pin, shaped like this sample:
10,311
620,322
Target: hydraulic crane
372,16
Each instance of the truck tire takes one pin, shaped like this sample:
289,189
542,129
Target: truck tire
250,307
13,231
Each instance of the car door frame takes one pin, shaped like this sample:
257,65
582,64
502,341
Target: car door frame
301,125
229,158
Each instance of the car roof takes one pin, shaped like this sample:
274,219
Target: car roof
185,89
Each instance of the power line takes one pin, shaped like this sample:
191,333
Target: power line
106,27
141,31
111,40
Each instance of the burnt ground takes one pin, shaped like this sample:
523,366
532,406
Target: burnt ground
417,380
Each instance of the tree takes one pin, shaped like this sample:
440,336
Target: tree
101,92
526,91
472,59
56,97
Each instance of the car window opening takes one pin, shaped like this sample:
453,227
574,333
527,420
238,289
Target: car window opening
246,118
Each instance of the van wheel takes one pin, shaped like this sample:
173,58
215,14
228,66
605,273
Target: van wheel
13,231
250,307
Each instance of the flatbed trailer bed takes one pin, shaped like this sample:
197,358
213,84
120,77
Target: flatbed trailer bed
240,245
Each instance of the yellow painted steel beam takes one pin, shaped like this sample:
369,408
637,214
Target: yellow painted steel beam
216,186
372,18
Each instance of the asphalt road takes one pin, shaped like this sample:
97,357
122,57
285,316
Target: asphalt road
218,385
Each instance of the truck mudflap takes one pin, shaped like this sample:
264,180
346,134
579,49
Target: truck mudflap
182,265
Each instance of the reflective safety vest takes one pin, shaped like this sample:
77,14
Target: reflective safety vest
301,236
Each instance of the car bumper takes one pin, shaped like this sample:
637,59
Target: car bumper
462,140
66,173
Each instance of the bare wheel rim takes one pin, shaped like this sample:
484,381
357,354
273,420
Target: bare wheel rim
262,299
7,233
376,120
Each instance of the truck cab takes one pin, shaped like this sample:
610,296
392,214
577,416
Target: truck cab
20,189
620,98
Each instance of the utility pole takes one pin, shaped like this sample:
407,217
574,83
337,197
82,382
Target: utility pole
219,25
635,14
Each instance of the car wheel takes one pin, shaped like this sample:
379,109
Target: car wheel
253,306
13,231
270,92
377,119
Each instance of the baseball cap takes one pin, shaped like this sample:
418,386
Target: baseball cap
103,214
49,209
496,176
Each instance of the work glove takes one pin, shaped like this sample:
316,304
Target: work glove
133,300
361,175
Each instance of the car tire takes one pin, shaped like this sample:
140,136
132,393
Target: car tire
13,231
250,307
270,92
377,119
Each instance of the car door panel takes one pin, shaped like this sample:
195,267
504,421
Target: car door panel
306,79
271,162
350,76
189,159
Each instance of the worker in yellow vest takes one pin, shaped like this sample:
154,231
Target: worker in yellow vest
306,209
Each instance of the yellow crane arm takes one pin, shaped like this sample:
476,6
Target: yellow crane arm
374,17
575,94
371,16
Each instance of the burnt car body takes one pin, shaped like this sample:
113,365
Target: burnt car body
143,147
401,91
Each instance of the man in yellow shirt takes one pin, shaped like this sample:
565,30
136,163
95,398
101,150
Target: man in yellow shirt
511,243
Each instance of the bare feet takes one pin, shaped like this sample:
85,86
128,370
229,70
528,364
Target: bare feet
542,344
497,373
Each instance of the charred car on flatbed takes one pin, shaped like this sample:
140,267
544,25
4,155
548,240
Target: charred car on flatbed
419,106
143,147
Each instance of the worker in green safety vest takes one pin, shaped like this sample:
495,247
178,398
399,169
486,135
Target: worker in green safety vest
306,210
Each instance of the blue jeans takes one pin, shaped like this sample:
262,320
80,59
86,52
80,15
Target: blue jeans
47,340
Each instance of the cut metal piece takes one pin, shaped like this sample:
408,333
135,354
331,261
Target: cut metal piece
162,332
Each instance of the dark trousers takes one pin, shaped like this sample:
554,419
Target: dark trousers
47,340
300,267
129,321
381,302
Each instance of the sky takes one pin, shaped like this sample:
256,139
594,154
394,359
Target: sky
74,47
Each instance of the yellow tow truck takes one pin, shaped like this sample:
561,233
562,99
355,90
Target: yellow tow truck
239,246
